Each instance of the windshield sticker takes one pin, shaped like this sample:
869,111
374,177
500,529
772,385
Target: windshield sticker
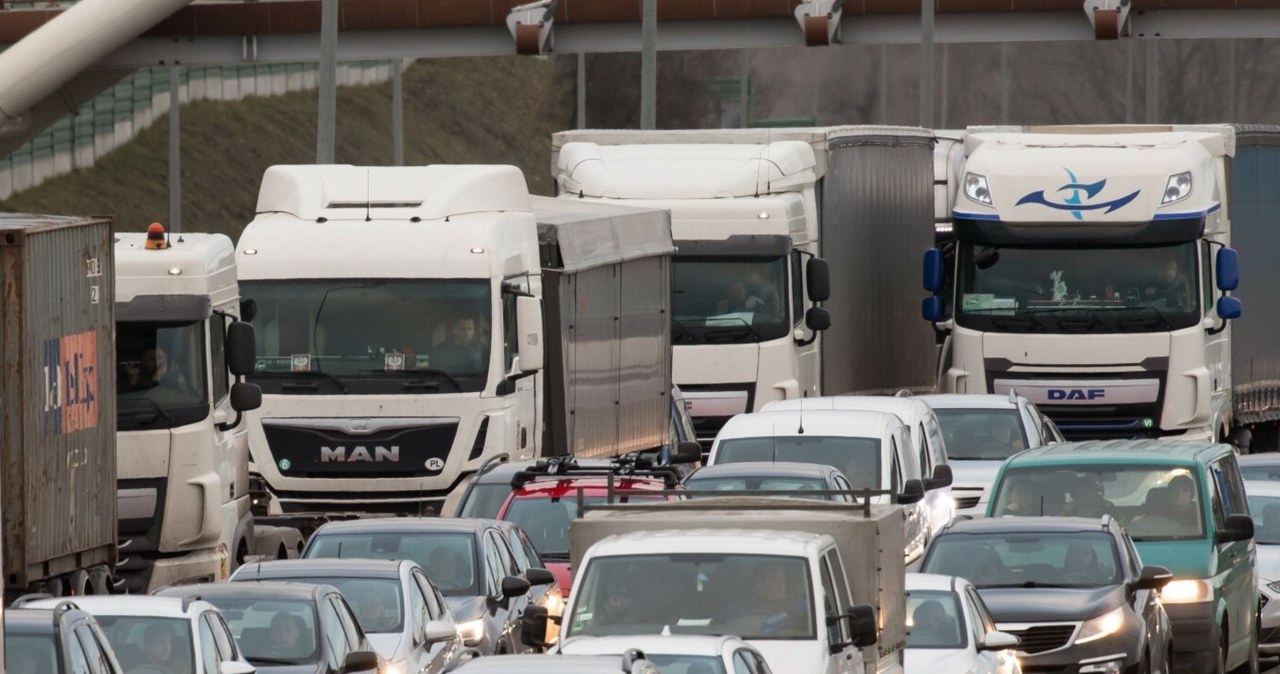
300,362
392,362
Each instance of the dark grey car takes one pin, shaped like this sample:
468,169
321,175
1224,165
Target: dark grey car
54,641
469,560
763,476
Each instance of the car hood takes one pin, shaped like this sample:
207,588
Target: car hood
466,607
385,643
1268,563
973,472
939,660
290,669
1050,604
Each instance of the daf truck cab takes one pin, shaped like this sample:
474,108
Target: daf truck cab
1092,272
181,438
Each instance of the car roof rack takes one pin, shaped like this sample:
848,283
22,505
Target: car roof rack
627,465
34,596
630,658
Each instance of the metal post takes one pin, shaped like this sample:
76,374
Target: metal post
1153,81
884,84
582,90
926,64
1128,81
397,112
1232,82
1005,86
326,122
649,66
946,58
744,89
175,149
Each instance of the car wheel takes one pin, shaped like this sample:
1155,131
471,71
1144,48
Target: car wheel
1220,657
1250,666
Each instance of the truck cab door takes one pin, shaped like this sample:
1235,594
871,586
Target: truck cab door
230,445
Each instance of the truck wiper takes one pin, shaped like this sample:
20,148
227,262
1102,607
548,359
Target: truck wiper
1074,325
1160,319
314,374
731,331
682,332
429,371
144,418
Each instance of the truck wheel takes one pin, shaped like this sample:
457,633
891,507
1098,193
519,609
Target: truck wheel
282,553
242,552
100,580
79,583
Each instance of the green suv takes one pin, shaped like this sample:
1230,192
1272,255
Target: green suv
1183,504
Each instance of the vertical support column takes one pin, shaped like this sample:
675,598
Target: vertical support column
744,89
926,63
1233,113
582,90
397,112
326,119
946,63
649,66
884,84
1153,80
175,148
1131,64
1005,86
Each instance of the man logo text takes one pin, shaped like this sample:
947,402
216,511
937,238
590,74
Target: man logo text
359,454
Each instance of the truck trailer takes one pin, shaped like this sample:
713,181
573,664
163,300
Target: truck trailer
403,316
794,245
57,423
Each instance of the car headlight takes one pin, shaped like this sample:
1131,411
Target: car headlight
1103,626
471,632
553,601
975,187
1274,586
1186,590
397,667
1177,189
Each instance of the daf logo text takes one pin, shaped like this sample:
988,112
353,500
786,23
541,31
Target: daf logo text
1077,393
360,453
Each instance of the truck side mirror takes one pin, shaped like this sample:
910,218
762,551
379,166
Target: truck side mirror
942,477
912,492
529,333
817,319
934,309
818,278
934,271
688,451
533,626
240,347
248,309
1228,269
1229,307
863,630
245,396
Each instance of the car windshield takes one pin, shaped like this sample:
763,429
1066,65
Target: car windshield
934,620
546,520
1263,472
449,558
150,645
377,602
371,336
857,458
1069,290
1152,502
31,654
1265,511
727,300
694,593
160,375
981,434
760,483
272,631
486,500
1026,559
686,664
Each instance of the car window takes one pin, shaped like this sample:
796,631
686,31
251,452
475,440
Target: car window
351,628
434,602
492,566
837,632
92,650
162,643
761,665
988,623
79,661
981,434
926,462
333,634
934,620
895,467
740,663
417,610
31,652
843,485
222,634
1235,486
535,561
448,557
276,629
1023,559
208,646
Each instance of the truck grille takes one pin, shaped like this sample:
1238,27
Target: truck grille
1041,638
370,448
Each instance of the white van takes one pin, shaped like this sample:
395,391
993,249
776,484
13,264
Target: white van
927,442
873,449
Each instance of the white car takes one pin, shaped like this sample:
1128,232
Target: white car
950,630
691,654
981,431
1264,508
163,635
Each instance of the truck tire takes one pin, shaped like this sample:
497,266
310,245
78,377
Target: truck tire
100,580
79,583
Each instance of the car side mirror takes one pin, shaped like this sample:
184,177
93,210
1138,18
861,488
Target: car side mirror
912,492
998,641
688,451
1238,528
533,627
233,667
514,586
942,477
1152,577
438,630
360,661
539,576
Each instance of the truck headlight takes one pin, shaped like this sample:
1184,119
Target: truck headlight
975,187
1186,591
1104,625
471,632
1177,189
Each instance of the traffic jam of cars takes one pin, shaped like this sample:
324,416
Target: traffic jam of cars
846,534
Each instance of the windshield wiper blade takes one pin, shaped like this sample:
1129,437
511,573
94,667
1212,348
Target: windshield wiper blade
429,371
682,331
314,374
1160,318
144,418
731,331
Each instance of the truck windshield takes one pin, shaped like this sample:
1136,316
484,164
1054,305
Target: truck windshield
981,434
857,458
1026,559
729,300
1077,290
1152,502
160,375
695,593
371,336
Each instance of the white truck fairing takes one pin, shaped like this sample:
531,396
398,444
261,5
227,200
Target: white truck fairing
1084,277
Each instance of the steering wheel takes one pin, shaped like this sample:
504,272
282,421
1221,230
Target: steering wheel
1132,296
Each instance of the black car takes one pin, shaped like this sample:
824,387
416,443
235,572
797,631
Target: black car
289,628
54,641
1074,590
469,560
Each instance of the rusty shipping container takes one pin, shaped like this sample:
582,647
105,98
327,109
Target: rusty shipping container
57,418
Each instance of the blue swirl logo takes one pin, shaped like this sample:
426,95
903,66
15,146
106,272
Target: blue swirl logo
1080,198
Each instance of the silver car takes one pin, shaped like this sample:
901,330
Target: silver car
402,613
1264,508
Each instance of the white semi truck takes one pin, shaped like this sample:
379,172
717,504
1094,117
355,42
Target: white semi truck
1091,272
183,482
757,214
414,322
